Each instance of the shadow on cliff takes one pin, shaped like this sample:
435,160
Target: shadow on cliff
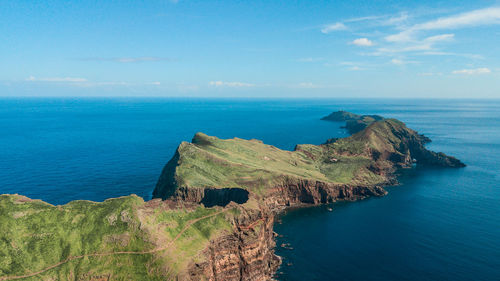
223,196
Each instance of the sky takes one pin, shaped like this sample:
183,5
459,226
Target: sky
270,49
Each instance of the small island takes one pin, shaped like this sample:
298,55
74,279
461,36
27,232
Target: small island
353,122
213,213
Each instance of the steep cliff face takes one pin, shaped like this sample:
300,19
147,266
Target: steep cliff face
128,239
167,184
265,179
293,192
248,252
289,192
245,254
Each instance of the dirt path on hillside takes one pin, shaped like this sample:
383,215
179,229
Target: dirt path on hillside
188,225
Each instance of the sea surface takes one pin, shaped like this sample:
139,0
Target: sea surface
439,224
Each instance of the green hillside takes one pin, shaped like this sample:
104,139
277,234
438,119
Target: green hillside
123,238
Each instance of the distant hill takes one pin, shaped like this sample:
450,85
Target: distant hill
353,122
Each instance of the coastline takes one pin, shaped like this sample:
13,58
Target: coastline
248,251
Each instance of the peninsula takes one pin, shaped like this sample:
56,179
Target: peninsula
213,213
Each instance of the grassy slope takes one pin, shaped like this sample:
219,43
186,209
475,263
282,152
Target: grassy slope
35,235
213,162
379,136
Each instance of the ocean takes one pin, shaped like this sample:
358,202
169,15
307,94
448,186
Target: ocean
439,224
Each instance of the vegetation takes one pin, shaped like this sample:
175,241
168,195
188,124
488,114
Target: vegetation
365,158
354,123
250,164
130,239
135,242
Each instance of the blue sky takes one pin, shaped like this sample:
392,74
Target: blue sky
337,49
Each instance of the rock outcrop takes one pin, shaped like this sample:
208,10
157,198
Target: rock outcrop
293,192
245,254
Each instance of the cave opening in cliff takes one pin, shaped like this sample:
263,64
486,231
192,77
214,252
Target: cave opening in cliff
223,196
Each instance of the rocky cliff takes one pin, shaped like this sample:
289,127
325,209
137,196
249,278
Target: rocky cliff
245,254
215,172
129,239
213,215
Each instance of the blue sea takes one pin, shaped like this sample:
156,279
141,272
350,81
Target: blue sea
439,224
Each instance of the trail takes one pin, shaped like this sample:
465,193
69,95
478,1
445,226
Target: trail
252,225
188,225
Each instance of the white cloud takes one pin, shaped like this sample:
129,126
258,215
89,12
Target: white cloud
397,20
367,18
426,44
230,84
487,16
475,71
404,36
333,27
438,53
56,79
365,42
438,38
397,61
402,62
375,20
382,19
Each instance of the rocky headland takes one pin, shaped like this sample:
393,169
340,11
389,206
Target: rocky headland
214,211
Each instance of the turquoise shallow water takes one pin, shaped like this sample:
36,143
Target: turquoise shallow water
440,224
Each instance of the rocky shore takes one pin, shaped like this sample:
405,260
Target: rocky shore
309,175
213,210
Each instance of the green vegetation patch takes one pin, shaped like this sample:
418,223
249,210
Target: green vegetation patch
250,164
185,233
35,235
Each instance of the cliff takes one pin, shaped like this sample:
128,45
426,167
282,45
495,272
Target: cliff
210,169
129,239
245,254
214,213
215,172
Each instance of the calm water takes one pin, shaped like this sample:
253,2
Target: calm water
441,224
